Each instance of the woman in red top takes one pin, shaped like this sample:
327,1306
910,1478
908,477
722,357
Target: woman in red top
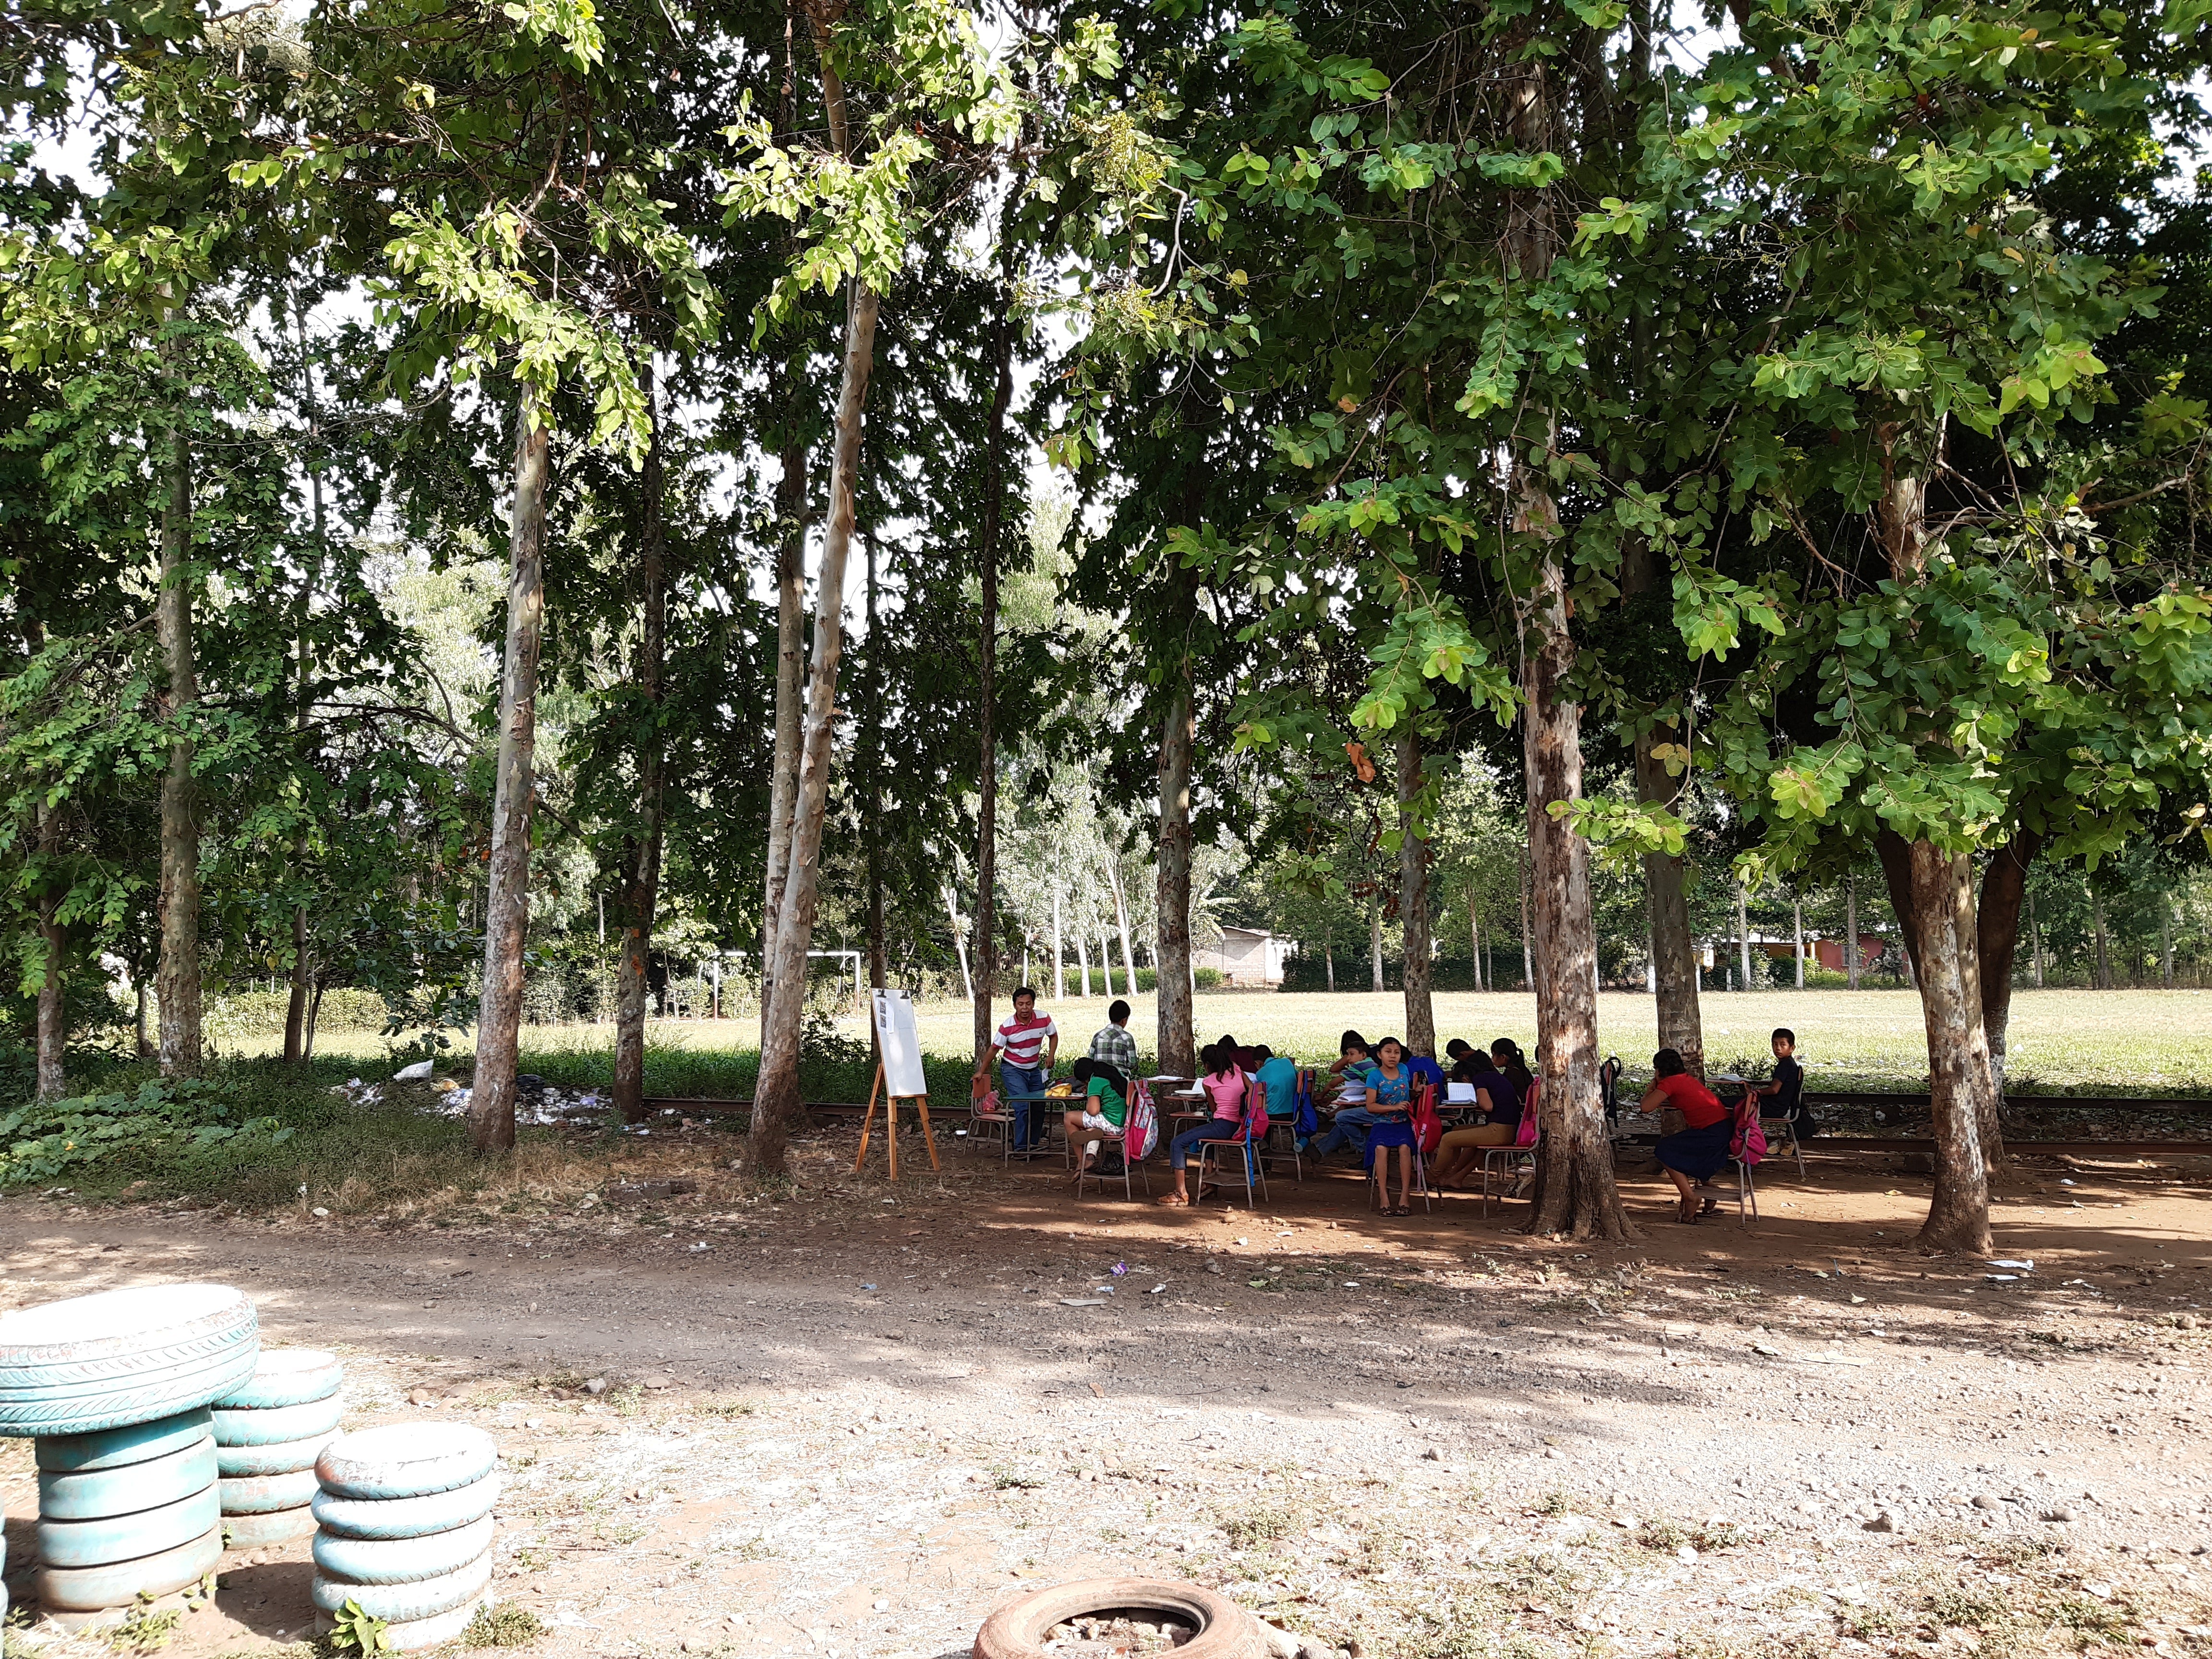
1700,1150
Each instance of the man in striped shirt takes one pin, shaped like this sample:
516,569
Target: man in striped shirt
1026,1047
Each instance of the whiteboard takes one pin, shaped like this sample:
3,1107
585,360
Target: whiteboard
900,1048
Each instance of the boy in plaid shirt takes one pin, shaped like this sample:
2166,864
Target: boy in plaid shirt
1112,1043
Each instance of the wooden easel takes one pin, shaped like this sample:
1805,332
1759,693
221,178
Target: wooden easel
890,1124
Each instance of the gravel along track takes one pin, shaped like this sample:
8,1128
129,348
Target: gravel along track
855,1422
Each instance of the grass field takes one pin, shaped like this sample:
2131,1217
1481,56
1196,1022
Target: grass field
2094,1040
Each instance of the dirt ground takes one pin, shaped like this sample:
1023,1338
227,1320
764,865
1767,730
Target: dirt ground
848,1418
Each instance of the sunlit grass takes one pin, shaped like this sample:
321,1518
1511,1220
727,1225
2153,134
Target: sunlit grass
2130,1041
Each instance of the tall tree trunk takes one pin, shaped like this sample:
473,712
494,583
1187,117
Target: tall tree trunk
52,1013
1742,940
1121,922
1178,737
507,890
1797,915
959,940
1059,949
1375,945
2104,951
1082,964
776,1103
987,765
144,1043
1474,939
640,897
2165,940
2004,889
1328,965
295,1011
1957,1054
1666,877
177,980
879,960
1527,929
1851,932
1413,901
1577,1193
2035,941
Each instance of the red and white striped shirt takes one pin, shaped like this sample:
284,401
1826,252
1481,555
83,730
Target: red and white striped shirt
1022,1040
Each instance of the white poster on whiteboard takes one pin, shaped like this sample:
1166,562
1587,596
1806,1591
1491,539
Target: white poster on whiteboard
900,1048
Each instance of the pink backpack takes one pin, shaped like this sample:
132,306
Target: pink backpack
1140,1128
1749,1142
1527,1134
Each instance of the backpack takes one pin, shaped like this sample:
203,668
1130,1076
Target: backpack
1428,1128
1140,1125
1526,1135
1304,1120
1749,1141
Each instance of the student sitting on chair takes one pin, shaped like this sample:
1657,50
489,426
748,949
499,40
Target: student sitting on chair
1105,1107
1390,1109
1351,1072
1224,1085
1461,1149
1699,1150
1786,1090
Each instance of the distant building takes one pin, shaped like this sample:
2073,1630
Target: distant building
1246,956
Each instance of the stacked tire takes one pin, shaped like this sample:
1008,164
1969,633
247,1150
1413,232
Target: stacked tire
267,1433
404,1528
114,1388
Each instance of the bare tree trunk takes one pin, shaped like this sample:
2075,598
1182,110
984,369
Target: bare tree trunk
1958,1055
144,1044
1375,944
1121,922
1082,964
1328,965
2165,940
1742,939
506,895
2035,940
959,940
1577,1193
878,961
1851,932
1528,932
1797,912
2004,889
296,1011
1474,939
1178,736
2104,952
641,898
53,1011
987,771
177,980
776,1102
314,1015
1413,901
1665,881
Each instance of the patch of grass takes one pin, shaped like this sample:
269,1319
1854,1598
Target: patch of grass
1868,1621
502,1624
144,1630
2088,1621
1005,1477
1557,1501
1259,1525
1466,1627
1952,1605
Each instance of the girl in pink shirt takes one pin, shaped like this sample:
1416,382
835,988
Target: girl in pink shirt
1227,1089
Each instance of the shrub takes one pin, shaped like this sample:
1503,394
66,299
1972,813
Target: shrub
261,1013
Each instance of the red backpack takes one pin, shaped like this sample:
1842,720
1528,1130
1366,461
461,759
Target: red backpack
1749,1141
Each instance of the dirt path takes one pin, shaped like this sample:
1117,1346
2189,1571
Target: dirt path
851,1421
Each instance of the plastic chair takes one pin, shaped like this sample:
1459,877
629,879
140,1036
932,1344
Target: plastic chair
1249,1161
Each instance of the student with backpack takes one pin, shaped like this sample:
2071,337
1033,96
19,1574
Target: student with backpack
1701,1149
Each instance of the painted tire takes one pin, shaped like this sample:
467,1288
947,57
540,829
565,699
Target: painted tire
134,1443
408,1518
406,1460
128,1537
401,1560
89,1589
261,1494
278,1425
284,1457
96,1494
404,1604
420,1634
255,1532
95,1362
287,1377
1225,1630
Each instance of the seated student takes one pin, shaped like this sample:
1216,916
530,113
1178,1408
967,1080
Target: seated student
1701,1150
1224,1084
1461,1149
1279,1076
1425,1071
1105,1107
1352,1117
1112,1043
1391,1107
1786,1090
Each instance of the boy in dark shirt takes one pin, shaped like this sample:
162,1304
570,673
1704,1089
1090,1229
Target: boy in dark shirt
1787,1090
